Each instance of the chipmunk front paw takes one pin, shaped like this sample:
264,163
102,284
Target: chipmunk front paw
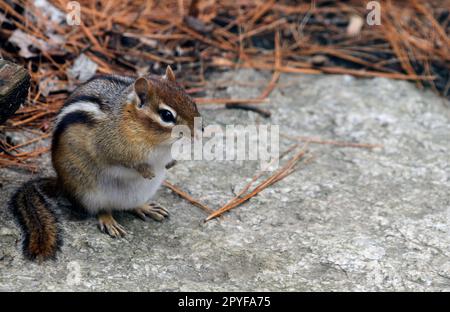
145,170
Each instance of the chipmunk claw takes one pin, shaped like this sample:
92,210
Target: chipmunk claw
107,224
154,211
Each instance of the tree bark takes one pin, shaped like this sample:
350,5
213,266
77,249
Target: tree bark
14,84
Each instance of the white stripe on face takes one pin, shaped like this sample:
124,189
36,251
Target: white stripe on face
81,106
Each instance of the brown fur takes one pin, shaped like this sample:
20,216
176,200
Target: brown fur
75,160
42,239
36,218
172,94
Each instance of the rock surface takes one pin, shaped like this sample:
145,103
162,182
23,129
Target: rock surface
352,219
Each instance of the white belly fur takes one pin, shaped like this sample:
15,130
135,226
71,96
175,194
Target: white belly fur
121,188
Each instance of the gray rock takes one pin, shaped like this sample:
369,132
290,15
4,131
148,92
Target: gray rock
351,219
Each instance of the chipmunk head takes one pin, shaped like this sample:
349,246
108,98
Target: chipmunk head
156,105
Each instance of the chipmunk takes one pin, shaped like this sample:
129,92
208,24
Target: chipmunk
110,149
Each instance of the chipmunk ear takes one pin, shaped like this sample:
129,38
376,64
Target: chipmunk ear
141,92
141,88
169,75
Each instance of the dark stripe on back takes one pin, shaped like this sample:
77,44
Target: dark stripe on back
84,98
77,117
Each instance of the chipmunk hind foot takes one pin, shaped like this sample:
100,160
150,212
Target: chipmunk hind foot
153,210
107,224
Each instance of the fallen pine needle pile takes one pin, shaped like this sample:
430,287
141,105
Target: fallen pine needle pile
411,42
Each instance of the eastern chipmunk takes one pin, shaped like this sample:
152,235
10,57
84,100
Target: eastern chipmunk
111,147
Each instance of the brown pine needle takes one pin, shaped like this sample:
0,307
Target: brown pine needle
28,142
257,176
271,85
187,197
283,172
15,163
34,117
32,154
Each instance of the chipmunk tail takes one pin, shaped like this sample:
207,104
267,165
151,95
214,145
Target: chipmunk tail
34,211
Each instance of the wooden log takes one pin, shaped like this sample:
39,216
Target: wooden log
14,84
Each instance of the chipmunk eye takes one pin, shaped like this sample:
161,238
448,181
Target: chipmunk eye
166,116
